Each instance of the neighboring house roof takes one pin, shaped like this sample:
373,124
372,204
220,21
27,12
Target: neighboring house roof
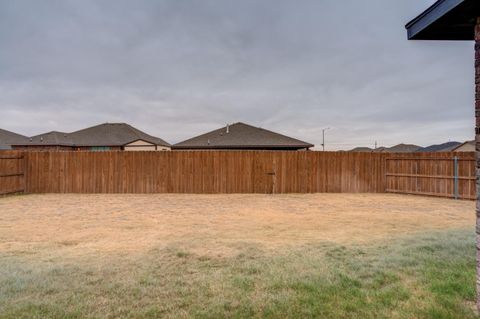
112,134
362,149
108,134
380,149
445,147
400,148
470,143
9,138
403,148
242,136
52,138
446,20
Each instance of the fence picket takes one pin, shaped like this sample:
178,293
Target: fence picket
237,172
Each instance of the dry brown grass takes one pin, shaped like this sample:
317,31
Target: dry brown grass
237,256
214,225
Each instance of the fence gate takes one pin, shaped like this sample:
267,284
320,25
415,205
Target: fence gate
452,176
12,172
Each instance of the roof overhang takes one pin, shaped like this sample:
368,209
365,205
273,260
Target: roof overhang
446,20
42,144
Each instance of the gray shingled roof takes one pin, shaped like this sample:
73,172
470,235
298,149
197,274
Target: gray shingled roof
51,138
112,134
107,134
399,148
9,138
362,149
445,147
380,149
403,148
242,136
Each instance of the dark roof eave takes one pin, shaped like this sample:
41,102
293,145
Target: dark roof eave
42,144
84,145
445,20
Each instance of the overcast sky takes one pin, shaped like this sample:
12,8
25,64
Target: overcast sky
178,68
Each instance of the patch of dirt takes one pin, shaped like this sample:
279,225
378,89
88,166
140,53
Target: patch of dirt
214,225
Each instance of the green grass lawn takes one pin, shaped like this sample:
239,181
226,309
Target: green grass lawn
431,275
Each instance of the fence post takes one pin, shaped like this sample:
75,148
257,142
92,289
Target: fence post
455,177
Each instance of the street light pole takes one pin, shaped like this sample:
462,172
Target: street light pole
323,138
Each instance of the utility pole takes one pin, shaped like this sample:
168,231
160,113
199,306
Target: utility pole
323,138
375,145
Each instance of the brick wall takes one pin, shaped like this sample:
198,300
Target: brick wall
477,147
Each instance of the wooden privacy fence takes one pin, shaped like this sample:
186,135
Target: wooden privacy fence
436,174
238,172
204,172
12,178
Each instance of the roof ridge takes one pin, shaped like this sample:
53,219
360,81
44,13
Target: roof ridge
86,128
246,135
134,130
201,135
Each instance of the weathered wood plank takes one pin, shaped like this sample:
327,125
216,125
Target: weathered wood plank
238,172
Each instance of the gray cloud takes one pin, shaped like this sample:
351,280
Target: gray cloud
178,68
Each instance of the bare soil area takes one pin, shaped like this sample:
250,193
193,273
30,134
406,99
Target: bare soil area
78,225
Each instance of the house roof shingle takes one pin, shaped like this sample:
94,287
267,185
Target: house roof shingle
399,148
107,134
9,138
242,136
445,147
51,138
112,134
362,149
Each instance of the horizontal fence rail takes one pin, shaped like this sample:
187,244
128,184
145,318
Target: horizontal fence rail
267,172
434,174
